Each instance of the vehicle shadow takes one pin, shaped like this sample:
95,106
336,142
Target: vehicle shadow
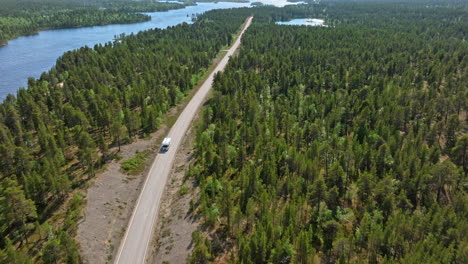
163,150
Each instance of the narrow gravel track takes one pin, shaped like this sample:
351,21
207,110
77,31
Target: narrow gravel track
135,243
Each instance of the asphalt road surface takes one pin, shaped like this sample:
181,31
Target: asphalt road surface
136,241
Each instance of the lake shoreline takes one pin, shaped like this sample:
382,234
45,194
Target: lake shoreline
39,30
29,56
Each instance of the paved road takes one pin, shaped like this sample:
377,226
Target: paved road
135,244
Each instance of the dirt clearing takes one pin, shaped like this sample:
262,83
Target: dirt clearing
108,198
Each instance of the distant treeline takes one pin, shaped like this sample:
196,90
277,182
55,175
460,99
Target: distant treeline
58,131
339,144
24,17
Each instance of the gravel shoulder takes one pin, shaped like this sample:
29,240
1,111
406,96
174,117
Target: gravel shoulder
173,233
110,199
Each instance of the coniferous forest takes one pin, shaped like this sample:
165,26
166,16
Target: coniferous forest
339,144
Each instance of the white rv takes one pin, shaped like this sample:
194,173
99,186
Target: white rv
165,144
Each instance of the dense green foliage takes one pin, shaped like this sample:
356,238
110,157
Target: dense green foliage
342,144
54,134
24,17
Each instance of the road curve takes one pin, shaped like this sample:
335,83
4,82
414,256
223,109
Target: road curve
135,243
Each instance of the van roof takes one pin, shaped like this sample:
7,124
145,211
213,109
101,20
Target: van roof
166,141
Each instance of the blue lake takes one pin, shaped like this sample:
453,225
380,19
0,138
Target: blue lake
30,56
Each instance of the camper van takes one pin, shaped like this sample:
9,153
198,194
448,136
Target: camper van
165,144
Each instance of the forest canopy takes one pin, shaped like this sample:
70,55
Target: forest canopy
339,144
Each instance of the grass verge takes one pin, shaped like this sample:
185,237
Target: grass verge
136,164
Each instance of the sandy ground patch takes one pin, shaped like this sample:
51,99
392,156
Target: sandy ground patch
110,201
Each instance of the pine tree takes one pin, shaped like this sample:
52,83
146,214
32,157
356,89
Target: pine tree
16,209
